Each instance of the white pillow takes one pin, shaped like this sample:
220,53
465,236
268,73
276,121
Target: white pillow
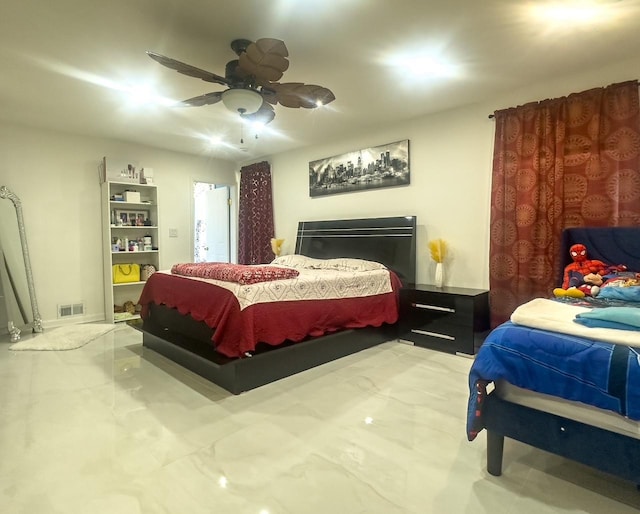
348,264
339,264
295,261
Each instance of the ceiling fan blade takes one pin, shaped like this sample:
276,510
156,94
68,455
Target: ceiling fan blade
297,94
187,69
263,115
208,99
266,59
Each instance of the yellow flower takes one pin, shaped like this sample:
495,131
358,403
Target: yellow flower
438,249
276,246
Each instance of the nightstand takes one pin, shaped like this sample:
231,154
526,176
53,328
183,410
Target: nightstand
450,319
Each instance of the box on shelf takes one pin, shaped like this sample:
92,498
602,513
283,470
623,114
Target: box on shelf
146,176
132,196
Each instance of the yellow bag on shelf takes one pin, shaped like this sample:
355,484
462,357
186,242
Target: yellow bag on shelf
123,273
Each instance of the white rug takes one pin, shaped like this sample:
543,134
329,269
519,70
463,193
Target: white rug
64,338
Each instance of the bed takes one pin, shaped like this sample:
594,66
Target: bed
241,343
554,389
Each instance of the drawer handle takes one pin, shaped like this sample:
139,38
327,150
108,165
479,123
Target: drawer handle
434,334
432,307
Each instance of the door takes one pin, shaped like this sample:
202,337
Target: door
211,223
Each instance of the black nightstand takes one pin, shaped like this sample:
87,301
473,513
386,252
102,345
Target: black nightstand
450,319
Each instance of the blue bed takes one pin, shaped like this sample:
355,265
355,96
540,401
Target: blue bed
600,374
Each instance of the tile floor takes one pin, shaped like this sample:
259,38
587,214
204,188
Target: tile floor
112,428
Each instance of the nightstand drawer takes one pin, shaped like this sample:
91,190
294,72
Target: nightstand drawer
442,328
452,313
433,340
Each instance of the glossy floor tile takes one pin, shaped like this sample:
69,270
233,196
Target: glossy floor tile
117,429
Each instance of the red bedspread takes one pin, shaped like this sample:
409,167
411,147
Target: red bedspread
239,331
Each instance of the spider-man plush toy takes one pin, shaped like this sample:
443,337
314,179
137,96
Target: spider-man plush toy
574,273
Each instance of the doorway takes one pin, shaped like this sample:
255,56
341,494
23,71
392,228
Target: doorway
211,222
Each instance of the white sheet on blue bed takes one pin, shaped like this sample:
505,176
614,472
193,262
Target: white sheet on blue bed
546,314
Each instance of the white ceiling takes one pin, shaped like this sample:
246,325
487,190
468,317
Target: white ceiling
65,63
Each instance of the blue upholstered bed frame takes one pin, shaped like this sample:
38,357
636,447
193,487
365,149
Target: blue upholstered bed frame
601,449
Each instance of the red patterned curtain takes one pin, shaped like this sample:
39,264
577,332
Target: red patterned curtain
255,226
567,162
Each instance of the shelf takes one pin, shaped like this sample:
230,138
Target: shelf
119,317
130,184
139,251
149,227
147,204
129,204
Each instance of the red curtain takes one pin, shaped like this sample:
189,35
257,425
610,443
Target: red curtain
255,226
567,162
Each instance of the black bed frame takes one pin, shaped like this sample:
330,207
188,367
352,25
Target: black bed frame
601,449
390,241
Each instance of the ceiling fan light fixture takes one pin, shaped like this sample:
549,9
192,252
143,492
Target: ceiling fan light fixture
242,101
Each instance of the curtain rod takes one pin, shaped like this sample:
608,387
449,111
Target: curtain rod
491,116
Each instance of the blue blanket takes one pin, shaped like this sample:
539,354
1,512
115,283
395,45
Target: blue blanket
621,318
603,375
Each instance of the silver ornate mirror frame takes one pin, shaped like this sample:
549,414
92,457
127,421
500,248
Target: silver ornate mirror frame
36,324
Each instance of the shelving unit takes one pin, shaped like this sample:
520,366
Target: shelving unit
116,223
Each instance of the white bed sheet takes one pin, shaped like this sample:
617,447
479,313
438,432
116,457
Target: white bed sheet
310,284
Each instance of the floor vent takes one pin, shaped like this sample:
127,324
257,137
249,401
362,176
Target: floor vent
71,309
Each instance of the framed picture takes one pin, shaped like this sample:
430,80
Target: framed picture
133,218
370,168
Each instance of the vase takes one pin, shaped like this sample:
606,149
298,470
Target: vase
439,275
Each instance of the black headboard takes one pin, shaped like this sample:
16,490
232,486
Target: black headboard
611,245
390,241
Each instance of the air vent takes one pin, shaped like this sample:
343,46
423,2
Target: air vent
71,309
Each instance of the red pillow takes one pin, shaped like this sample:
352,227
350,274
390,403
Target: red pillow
241,273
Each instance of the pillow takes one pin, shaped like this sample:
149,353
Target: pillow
621,318
628,294
294,261
625,286
339,264
348,264
241,273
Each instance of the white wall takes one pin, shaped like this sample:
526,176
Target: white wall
56,177
450,158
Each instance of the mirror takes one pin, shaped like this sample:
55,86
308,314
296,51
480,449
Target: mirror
18,306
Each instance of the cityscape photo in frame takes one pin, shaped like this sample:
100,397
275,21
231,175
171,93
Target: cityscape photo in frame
379,166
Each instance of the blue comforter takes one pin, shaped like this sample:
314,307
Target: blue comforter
604,375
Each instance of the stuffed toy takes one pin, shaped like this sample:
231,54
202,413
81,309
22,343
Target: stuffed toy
575,272
589,287
592,283
583,277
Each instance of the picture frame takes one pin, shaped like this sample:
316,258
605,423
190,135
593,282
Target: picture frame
369,168
132,217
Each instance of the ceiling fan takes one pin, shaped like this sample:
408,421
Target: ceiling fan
252,81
